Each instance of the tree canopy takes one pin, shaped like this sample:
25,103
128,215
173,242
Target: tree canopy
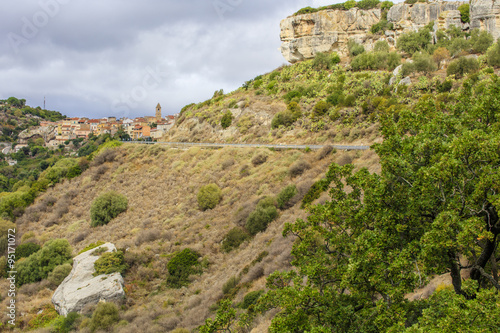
432,210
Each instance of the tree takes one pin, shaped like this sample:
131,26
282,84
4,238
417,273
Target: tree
226,119
439,55
412,42
435,201
464,12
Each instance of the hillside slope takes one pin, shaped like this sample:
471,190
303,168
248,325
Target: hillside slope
161,185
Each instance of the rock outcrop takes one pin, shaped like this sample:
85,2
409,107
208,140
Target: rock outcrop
485,15
328,30
407,17
47,133
81,288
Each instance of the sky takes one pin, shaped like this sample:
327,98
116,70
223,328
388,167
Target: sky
95,58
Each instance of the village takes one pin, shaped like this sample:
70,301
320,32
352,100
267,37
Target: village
55,134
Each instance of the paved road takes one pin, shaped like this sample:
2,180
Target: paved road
241,145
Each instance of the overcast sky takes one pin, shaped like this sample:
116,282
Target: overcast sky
120,58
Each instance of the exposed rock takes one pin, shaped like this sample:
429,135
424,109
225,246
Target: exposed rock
81,288
406,17
47,133
395,75
485,15
406,81
329,30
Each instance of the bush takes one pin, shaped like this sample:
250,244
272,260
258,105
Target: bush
367,4
298,168
493,55
230,285
354,48
412,42
37,266
283,118
59,274
110,262
440,54
264,213
444,86
251,298
26,249
462,66
209,196
381,46
66,324
226,120
464,12
104,317
292,94
259,159
294,108
381,26
423,62
181,266
106,207
321,108
91,246
325,60
324,152
349,101
314,192
285,196
234,238
480,40
336,98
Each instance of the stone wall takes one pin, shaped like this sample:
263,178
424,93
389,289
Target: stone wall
485,15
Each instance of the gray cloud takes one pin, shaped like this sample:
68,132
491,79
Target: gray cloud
98,58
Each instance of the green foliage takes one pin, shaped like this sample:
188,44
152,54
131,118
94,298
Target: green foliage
381,26
464,12
226,119
224,319
480,40
104,317
234,238
462,66
209,196
354,48
367,4
493,55
181,266
66,324
43,319
38,265
251,299
264,213
106,207
323,61
110,262
315,191
283,118
423,63
412,42
91,246
26,249
432,207
59,274
285,196
381,46
444,86
4,231
320,108
230,284
376,60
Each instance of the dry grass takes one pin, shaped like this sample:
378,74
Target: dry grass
161,185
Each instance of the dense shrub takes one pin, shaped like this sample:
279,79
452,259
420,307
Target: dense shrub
412,42
320,108
354,48
440,54
292,94
104,317
315,191
298,168
110,262
285,196
251,298
209,196
37,266
336,98
325,60
26,249
464,12
67,324
230,284
381,46
444,86
376,60
462,66
181,266
264,213
106,207
226,120
234,238
259,159
283,118
324,152
381,26
493,55
91,246
367,4
480,40
423,62
59,274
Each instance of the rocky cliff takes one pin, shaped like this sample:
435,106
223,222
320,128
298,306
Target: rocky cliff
329,30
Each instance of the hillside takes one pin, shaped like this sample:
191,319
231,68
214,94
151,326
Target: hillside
161,185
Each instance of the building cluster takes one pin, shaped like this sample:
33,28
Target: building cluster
153,127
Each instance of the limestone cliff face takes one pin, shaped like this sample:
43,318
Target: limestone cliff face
407,17
329,30
485,15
